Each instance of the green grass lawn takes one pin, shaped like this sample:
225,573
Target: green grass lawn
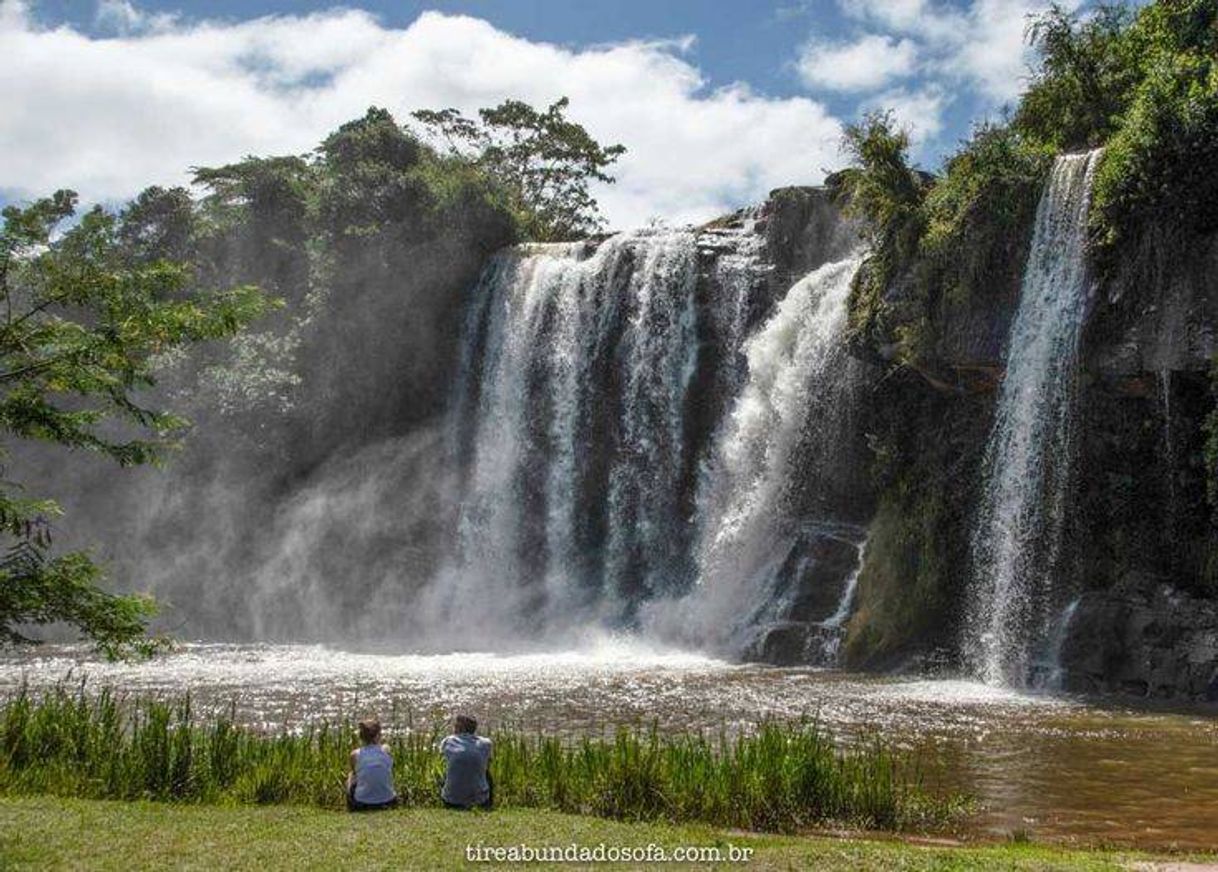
52,833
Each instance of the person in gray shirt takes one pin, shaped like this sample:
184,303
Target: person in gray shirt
467,757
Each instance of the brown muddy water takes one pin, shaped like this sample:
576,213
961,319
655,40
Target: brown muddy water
1056,768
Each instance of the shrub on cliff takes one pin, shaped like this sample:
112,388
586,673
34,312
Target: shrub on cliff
887,193
979,214
935,242
1084,81
1158,168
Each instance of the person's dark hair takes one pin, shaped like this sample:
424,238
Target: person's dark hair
369,730
465,724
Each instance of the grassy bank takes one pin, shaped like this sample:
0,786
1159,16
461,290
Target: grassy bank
784,778
49,833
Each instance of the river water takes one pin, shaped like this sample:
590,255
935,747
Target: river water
1057,768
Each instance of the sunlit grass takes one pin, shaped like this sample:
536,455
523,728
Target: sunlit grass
781,778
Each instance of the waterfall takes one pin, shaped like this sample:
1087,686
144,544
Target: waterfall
1169,451
572,426
832,630
774,463
1056,673
1027,460
846,604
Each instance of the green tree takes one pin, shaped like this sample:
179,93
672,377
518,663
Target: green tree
545,161
884,187
82,328
1156,184
159,224
887,193
1088,67
370,190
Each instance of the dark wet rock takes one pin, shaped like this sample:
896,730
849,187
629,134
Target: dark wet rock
804,228
795,643
1166,320
1143,638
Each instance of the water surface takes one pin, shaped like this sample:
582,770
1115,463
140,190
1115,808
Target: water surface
1058,768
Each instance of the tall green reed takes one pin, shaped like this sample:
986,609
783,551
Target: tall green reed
783,777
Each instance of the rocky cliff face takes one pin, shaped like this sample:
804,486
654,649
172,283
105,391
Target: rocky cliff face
1144,536
1139,547
1142,637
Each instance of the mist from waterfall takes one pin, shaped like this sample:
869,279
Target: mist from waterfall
779,444
1027,461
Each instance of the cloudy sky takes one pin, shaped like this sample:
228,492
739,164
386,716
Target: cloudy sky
716,101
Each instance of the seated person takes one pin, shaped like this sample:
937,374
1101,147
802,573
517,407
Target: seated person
467,781
370,783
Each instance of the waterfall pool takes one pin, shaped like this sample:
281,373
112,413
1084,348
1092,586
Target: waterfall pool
1058,768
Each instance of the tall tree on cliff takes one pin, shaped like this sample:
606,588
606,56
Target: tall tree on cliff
545,161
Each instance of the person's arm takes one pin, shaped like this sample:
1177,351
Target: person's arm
351,775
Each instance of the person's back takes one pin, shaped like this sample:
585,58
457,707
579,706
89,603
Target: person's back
467,758
370,784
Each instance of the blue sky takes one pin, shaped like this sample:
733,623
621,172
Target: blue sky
716,101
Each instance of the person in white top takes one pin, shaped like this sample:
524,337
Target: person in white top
370,782
467,757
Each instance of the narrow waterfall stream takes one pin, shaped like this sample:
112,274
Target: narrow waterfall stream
1027,461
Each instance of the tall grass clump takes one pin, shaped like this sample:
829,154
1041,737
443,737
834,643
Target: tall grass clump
782,778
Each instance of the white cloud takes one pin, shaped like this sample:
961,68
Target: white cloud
121,16
979,45
996,56
920,111
863,65
109,115
897,15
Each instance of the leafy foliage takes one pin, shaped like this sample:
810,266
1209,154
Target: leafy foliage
544,161
1157,169
934,242
885,189
1083,84
82,328
887,193
979,213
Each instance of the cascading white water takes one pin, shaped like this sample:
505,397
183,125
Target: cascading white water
1027,459
571,427
659,348
596,476
846,604
789,412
